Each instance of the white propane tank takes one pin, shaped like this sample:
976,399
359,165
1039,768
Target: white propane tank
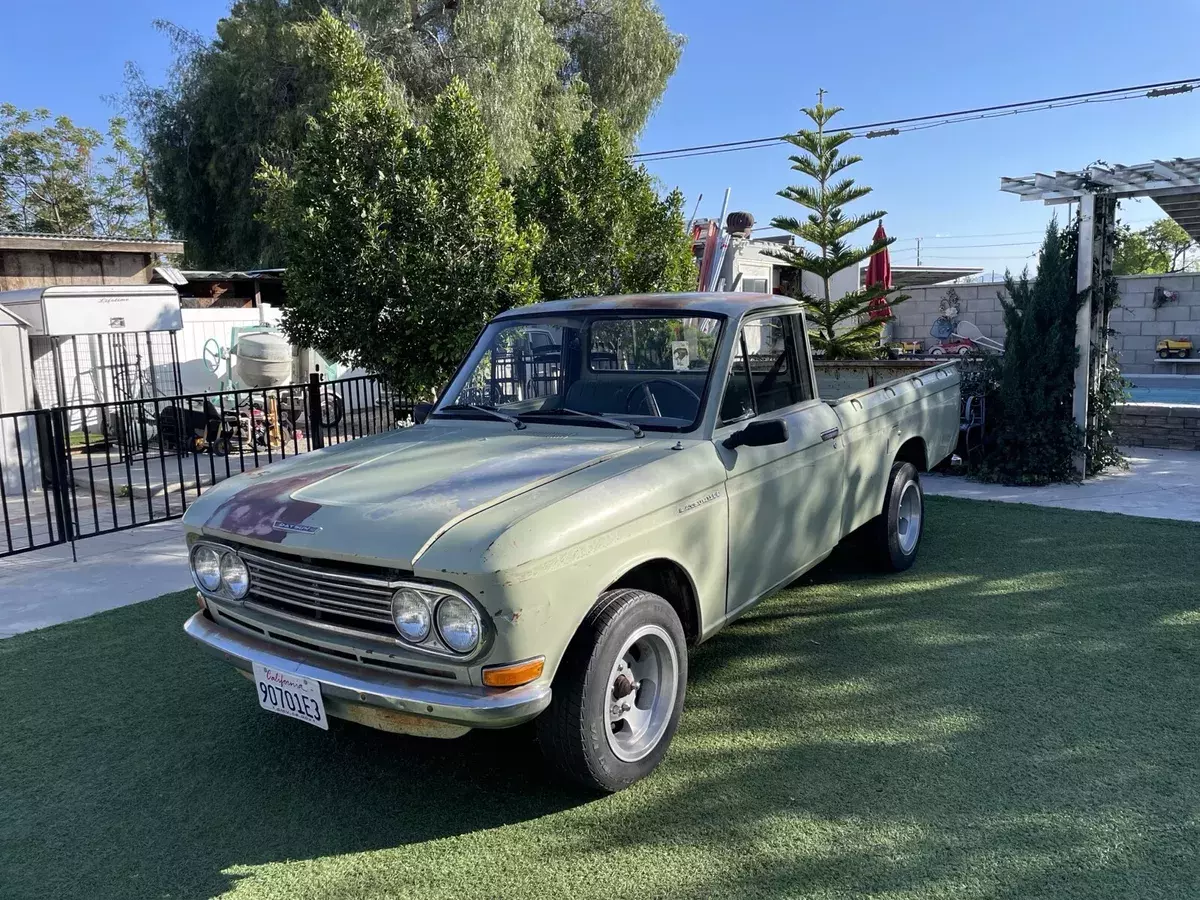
264,360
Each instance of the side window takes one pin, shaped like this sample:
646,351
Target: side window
804,373
768,370
738,402
771,345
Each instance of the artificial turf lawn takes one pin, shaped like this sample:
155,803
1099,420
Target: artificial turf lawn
1014,717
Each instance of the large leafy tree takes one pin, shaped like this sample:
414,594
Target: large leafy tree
530,65
840,327
606,229
58,177
1159,248
401,239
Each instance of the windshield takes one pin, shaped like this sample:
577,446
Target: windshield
649,370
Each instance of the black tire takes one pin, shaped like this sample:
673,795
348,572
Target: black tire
573,731
1163,354
332,410
889,540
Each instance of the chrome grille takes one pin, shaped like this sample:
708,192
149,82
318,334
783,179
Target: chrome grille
321,594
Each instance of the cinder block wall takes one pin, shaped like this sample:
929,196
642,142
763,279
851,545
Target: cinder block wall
1158,425
1138,324
977,303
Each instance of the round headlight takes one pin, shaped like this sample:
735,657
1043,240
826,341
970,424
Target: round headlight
206,567
458,624
410,612
235,575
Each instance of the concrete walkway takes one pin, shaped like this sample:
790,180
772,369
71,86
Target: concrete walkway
45,588
1160,484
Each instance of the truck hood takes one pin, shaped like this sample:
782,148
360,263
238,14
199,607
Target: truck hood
385,499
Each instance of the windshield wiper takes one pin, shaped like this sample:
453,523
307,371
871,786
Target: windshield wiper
607,420
490,410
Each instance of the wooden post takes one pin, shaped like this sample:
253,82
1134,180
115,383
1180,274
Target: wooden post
1083,319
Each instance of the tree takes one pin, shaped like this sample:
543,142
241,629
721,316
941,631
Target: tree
53,178
1159,248
530,65
839,328
1037,438
1135,256
1167,237
401,240
606,229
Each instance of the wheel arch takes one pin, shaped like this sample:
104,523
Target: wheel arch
671,581
914,451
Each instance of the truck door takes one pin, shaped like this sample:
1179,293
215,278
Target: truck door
785,499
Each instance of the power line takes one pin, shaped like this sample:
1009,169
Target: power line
890,126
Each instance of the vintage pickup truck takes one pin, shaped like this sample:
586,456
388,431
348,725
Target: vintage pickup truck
604,483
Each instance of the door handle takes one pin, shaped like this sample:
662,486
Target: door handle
829,435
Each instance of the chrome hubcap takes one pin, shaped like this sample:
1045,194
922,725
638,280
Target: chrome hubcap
641,693
909,525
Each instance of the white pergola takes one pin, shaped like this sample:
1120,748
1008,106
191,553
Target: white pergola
1173,184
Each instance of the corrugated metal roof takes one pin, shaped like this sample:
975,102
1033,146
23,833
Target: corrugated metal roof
31,240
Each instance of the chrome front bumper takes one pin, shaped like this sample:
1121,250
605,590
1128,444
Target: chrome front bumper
348,686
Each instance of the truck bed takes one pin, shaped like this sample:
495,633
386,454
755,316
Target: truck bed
875,423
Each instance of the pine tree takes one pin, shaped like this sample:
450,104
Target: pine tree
840,328
1036,439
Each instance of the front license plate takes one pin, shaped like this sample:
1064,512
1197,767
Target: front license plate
290,695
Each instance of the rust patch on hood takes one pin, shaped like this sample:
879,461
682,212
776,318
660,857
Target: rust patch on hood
254,510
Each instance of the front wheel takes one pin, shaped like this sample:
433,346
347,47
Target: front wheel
619,692
896,533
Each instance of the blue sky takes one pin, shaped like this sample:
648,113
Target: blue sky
749,67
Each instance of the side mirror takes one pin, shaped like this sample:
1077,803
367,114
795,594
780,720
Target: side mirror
761,433
421,412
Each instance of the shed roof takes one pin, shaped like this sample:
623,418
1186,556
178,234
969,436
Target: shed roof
40,241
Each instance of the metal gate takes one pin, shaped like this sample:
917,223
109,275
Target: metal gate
66,473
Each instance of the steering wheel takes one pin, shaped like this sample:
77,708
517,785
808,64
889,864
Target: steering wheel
648,397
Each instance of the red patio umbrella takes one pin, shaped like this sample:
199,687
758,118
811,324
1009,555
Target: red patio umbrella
879,271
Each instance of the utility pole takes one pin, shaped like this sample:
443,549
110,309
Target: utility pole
918,251
821,95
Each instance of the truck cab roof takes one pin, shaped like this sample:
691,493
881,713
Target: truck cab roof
732,304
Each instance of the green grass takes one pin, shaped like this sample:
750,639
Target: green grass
1015,717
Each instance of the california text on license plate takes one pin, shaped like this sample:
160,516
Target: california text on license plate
290,695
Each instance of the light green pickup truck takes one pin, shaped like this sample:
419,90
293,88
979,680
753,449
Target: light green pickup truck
605,483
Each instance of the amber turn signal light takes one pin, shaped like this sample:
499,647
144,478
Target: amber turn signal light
200,602
514,674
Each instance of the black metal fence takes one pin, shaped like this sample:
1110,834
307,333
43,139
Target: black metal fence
72,472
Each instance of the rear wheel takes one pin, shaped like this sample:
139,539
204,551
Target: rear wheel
619,692
895,534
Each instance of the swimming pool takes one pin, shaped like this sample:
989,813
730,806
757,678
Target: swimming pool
1177,390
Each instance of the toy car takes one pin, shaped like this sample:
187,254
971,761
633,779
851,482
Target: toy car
908,348
1174,347
960,346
